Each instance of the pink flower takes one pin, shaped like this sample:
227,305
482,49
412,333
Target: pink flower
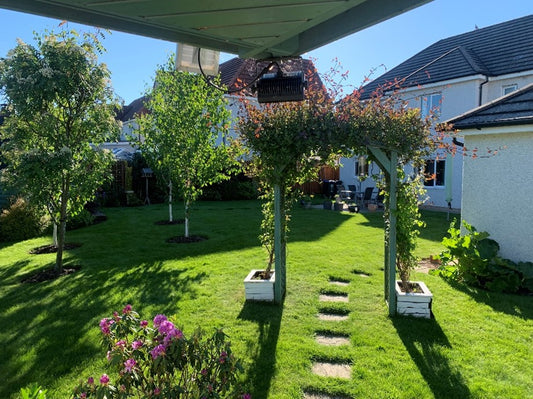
174,333
159,350
108,355
104,379
105,323
157,391
121,344
144,324
127,309
223,356
136,344
116,316
246,396
83,395
159,319
129,365
90,381
165,327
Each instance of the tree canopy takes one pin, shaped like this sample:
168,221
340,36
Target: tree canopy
184,134
60,108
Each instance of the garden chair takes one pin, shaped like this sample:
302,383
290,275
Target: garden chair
367,196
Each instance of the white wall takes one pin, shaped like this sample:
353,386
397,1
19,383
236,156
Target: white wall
498,190
458,96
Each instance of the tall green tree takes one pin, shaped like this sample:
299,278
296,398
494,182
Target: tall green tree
60,108
184,134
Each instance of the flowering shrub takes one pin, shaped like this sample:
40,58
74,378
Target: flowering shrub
161,362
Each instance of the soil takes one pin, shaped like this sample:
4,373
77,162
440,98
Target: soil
169,223
427,264
51,249
186,240
49,274
415,288
262,275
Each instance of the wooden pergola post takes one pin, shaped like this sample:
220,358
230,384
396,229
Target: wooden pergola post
279,247
389,166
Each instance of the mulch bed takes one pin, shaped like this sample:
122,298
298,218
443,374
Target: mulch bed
49,274
50,249
185,240
167,223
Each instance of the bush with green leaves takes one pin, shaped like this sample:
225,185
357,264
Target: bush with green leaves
160,361
34,391
21,221
473,259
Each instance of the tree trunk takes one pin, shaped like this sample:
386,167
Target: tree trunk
54,235
187,206
62,225
170,202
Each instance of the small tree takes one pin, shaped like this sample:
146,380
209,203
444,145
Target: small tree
60,108
179,133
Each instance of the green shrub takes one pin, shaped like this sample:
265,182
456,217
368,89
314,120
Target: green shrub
82,219
473,259
20,222
33,392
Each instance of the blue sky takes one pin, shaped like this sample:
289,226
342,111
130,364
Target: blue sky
133,59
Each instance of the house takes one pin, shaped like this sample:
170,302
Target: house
497,190
451,77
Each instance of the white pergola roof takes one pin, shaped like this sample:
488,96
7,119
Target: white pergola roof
248,28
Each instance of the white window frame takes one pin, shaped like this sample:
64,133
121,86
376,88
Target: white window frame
508,89
430,102
433,182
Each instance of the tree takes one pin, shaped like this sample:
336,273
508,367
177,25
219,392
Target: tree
60,108
179,133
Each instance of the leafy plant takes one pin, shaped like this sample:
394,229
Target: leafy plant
473,259
179,135
60,107
21,221
160,361
33,392
408,224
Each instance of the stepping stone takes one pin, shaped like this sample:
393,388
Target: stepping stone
324,369
332,340
333,298
332,317
339,283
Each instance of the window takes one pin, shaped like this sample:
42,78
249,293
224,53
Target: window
430,103
434,173
361,166
508,89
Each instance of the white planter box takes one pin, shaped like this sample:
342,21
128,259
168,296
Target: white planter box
417,304
257,289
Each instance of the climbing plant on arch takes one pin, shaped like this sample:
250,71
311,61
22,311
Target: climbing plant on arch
288,142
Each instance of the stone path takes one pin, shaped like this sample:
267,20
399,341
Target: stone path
324,368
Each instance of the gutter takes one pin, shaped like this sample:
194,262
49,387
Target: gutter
480,99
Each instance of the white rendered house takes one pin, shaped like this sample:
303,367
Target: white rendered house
453,76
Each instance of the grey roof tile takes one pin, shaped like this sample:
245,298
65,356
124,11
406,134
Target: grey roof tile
515,108
495,50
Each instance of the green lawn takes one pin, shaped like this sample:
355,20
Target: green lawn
478,345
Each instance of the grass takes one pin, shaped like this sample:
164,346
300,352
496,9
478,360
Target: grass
477,346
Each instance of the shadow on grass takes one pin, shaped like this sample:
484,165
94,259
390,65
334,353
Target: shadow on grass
77,299
426,343
511,304
268,319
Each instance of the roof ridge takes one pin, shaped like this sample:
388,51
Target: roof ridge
472,58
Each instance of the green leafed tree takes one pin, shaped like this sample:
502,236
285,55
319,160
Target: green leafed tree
60,108
184,134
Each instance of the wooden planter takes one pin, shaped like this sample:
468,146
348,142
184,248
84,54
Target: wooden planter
256,289
417,304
